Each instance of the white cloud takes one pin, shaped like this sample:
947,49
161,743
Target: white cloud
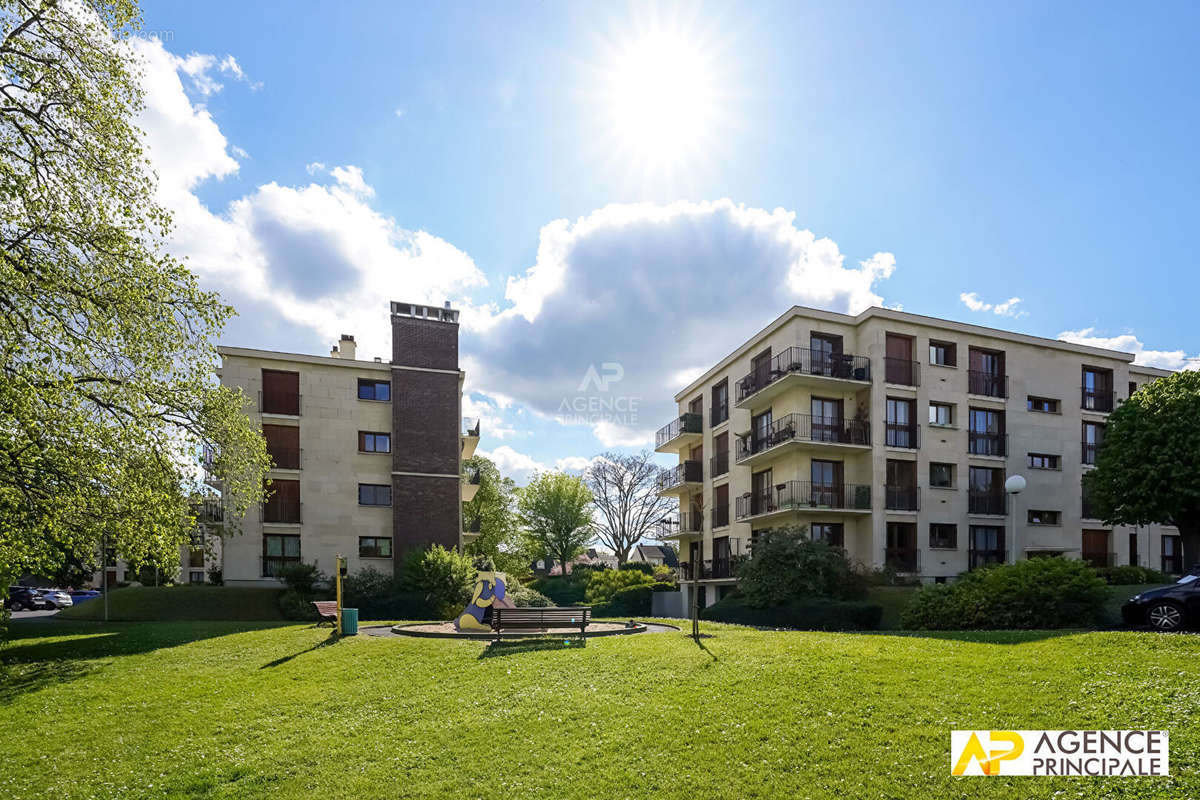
351,177
202,70
518,466
399,112
573,464
1006,309
1128,343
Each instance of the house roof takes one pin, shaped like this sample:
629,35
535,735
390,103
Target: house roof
667,554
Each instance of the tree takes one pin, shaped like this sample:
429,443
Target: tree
106,343
555,511
1148,468
625,496
492,513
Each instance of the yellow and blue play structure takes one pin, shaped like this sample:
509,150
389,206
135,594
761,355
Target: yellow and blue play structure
490,592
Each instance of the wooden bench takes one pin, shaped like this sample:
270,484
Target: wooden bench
540,619
328,611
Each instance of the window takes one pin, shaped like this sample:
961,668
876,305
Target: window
986,373
1093,437
720,403
196,556
720,512
280,392
901,425
832,533
943,535
1044,405
985,492
283,502
373,494
900,552
369,442
283,445
944,354
941,414
941,476
1133,550
898,363
1037,517
279,550
986,435
374,547
1044,461
900,489
1172,554
370,389
1132,387
1097,389
986,546
195,577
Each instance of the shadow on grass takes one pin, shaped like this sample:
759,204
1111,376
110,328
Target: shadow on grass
516,646
332,638
984,637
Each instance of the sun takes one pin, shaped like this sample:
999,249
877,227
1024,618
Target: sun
661,98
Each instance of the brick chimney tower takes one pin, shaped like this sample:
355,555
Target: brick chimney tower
426,428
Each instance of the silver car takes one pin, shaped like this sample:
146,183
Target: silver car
55,598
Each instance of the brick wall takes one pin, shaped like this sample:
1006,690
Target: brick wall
424,511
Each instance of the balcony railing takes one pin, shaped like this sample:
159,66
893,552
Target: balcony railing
902,498
719,464
806,428
988,384
273,565
470,426
797,495
710,568
994,503
210,512
902,559
1100,560
800,360
979,558
285,457
1096,400
718,414
987,444
687,472
902,372
473,525
1089,450
473,477
286,403
906,435
720,516
688,522
687,423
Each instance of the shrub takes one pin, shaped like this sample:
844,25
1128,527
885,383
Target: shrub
582,572
378,595
1130,574
637,566
807,613
561,591
525,597
630,601
664,574
215,576
297,606
604,585
786,565
443,578
300,577
1032,594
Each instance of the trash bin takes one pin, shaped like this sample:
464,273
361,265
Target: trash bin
349,621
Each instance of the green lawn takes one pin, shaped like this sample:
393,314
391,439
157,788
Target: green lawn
182,603
191,709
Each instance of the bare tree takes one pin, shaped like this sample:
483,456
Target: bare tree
625,494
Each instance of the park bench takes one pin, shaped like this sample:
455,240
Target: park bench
539,619
328,611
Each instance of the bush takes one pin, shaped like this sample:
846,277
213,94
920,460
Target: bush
604,585
1032,594
297,606
631,601
664,574
810,614
561,591
1129,575
300,577
215,576
786,565
442,578
637,566
378,595
524,597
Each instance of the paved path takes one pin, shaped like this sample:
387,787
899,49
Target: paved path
386,631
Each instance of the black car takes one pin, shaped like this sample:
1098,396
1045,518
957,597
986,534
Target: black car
23,598
1166,608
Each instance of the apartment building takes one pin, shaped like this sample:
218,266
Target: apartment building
892,435
367,455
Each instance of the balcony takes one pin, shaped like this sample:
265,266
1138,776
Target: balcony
806,430
272,566
718,465
682,479
902,498
210,512
803,496
688,524
471,480
709,569
902,559
981,558
980,443
801,365
905,435
987,503
987,384
683,431
901,372
285,404
469,436
1088,451
1096,400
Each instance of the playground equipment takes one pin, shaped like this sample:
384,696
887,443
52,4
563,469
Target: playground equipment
490,592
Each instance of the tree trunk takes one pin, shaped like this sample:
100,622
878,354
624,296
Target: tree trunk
1190,536
563,561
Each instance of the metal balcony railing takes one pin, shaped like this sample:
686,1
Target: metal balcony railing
688,522
906,435
1088,452
797,495
720,516
977,558
988,384
686,423
804,427
210,512
902,372
273,565
980,443
286,403
687,472
710,568
800,360
902,498
470,426
993,503
719,464
1096,400
902,559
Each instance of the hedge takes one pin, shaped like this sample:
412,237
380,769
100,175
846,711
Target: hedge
810,614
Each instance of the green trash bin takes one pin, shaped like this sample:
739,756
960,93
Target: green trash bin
349,621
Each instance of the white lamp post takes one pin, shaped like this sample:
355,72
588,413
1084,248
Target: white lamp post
1014,486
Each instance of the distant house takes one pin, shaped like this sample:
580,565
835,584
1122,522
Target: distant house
592,557
656,554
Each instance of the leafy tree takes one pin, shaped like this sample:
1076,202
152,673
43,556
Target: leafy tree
1148,468
625,492
106,343
493,513
555,510
785,564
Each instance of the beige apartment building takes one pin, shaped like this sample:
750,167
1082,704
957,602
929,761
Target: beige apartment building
892,435
367,455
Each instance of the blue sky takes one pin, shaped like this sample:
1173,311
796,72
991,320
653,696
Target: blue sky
427,151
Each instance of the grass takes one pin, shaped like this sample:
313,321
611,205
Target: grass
169,603
227,710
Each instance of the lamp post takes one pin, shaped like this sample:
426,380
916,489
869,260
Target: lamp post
1014,486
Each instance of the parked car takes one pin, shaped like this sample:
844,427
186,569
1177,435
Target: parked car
55,598
23,598
83,595
1166,608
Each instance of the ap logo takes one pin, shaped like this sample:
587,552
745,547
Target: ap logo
613,372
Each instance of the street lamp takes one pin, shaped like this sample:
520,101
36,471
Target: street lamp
1014,486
